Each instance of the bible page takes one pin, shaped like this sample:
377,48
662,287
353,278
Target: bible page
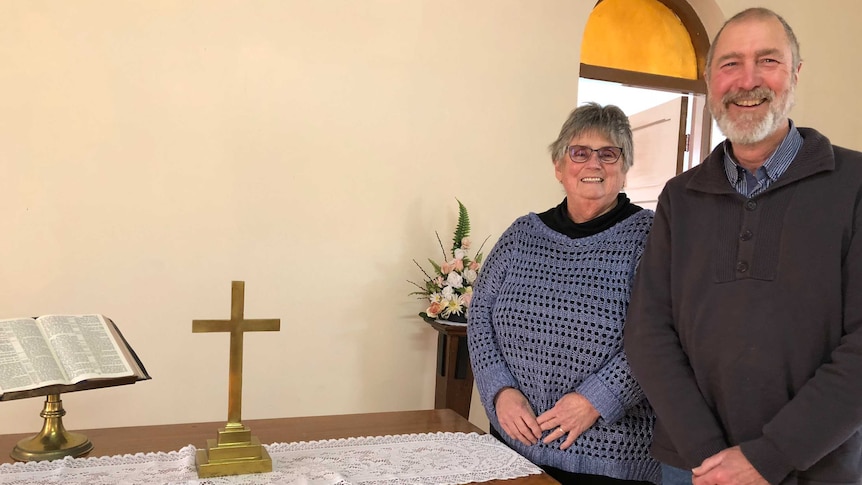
84,346
26,361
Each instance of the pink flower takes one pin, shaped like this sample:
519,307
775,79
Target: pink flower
459,265
465,243
435,309
446,267
466,298
474,266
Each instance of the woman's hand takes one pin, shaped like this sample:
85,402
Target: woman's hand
570,417
516,416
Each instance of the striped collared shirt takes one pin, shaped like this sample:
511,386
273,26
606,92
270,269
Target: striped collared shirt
751,184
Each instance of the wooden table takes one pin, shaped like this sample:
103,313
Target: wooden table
170,437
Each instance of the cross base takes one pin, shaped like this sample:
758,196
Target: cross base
236,452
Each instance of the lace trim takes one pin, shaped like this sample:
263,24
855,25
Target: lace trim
442,458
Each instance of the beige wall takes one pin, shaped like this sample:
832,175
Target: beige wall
153,151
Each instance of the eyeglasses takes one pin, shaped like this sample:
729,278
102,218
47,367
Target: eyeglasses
581,153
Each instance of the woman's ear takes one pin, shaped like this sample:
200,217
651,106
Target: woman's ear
558,172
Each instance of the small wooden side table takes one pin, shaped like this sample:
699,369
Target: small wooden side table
454,388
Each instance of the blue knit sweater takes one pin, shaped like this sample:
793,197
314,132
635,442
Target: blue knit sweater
547,319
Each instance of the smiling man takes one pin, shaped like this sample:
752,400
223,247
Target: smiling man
745,324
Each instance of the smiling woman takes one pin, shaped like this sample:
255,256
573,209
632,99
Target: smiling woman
546,319
593,183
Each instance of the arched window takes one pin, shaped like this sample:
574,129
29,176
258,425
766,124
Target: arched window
650,43
655,49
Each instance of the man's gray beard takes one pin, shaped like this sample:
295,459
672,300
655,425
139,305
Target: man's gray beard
746,131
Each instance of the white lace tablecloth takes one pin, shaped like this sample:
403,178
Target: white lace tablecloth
420,459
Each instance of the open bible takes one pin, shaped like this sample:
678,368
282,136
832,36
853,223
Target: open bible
56,354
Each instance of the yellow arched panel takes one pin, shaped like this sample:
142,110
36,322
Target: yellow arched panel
638,35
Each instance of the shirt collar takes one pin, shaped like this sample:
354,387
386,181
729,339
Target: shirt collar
775,165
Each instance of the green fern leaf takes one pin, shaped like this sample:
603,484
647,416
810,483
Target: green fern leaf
437,268
462,230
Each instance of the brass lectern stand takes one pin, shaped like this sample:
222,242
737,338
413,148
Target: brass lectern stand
236,451
53,441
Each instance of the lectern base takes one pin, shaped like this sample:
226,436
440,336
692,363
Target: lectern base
38,448
53,442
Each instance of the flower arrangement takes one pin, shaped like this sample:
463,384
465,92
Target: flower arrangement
449,287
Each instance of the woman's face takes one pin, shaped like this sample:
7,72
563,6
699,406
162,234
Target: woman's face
591,186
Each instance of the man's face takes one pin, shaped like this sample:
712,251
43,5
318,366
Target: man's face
752,80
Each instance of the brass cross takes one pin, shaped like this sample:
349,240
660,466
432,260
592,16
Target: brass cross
236,326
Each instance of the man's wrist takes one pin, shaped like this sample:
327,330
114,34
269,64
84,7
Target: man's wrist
766,459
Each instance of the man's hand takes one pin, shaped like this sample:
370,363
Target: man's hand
516,416
728,467
571,415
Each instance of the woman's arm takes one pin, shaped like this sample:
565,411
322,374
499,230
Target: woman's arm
490,370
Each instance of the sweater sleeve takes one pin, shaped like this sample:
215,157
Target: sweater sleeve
825,412
490,371
656,356
612,390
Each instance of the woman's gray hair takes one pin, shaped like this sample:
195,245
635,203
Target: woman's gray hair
608,121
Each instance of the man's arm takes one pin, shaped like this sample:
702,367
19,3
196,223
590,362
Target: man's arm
826,411
655,354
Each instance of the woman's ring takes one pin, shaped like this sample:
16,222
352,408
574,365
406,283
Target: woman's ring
561,429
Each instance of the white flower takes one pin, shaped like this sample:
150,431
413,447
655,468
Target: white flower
455,280
449,286
452,307
470,275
